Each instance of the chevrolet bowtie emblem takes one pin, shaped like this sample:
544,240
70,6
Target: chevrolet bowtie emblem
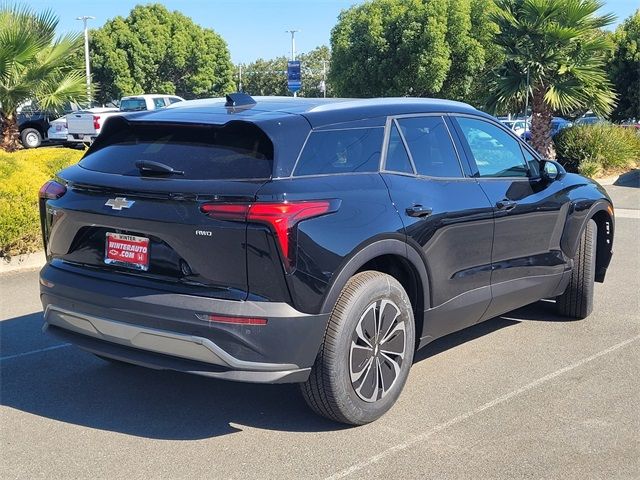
119,203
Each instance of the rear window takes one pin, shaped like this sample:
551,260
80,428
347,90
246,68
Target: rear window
235,151
341,151
133,104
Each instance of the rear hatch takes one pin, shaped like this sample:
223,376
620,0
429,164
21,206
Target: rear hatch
132,207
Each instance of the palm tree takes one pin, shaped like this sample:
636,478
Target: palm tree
555,54
36,66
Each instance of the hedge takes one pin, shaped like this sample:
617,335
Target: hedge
21,175
595,150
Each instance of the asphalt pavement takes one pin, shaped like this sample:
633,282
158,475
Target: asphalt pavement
525,395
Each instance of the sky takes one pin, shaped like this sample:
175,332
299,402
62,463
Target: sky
251,28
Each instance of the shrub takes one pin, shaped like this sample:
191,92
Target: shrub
21,176
598,149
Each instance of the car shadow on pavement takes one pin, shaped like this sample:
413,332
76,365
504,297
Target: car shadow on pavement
629,179
69,385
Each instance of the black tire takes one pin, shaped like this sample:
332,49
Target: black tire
30,138
331,390
577,299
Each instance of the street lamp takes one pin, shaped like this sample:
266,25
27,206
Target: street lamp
293,48
84,19
293,42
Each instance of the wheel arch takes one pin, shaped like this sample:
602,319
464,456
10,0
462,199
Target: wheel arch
393,257
601,212
35,126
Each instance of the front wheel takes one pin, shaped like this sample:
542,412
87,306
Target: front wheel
577,299
367,351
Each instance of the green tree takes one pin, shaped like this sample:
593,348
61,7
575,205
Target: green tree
36,66
266,77
558,46
410,47
154,50
269,77
313,65
624,68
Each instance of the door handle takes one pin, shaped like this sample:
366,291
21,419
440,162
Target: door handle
506,204
418,211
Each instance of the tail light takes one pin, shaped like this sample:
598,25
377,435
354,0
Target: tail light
52,190
281,217
96,122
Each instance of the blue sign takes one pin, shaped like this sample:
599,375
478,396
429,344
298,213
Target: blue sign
294,78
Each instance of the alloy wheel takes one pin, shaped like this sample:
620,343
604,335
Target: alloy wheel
378,347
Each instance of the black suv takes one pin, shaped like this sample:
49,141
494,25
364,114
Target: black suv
309,240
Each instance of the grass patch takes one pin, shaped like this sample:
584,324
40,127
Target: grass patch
22,174
596,150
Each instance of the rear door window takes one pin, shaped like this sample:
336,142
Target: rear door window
430,146
158,102
397,156
237,151
341,151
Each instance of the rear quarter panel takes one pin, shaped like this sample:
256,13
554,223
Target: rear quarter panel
324,244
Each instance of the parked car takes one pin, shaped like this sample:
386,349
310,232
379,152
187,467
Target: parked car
557,124
84,127
139,103
57,131
517,126
590,120
312,241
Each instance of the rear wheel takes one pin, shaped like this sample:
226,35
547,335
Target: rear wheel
31,138
367,351
577,299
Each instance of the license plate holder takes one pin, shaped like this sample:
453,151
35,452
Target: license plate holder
127,251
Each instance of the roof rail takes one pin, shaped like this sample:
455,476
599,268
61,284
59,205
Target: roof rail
239,99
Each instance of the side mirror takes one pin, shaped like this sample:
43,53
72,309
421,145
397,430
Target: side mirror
550,171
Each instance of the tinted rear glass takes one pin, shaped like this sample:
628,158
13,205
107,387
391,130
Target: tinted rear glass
341,151
236,151
133,105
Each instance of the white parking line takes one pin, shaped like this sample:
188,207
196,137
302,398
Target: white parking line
460,418
626,213
33,352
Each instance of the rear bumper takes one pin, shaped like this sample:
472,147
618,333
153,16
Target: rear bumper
163,330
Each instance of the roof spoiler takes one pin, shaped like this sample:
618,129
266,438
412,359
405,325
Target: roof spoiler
239,99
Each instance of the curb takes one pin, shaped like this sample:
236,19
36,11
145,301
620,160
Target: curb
27,261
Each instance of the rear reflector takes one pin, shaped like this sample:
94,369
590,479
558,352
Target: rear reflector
52,190
96,122
232,320
282,217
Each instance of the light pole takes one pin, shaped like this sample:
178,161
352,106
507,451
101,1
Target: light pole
293,48
84,19
293,43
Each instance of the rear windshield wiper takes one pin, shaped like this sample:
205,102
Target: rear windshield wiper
148,167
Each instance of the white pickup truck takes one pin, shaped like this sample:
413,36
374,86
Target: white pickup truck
84,127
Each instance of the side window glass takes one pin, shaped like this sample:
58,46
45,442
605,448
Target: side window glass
341,151
430,146
158,102
397,156
496,153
